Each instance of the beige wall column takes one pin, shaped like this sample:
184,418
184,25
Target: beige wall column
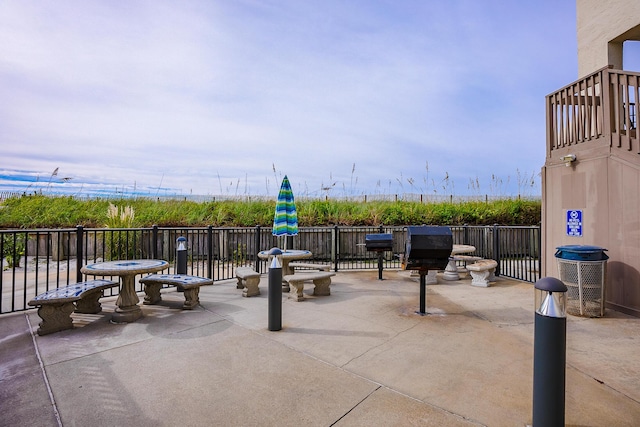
602,27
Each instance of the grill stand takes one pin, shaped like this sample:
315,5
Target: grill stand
379,243
423,292
427,248
379,265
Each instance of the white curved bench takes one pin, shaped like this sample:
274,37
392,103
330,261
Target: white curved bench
482,272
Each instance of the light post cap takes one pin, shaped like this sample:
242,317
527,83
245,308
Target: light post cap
275,251
550,284
181,243
551,297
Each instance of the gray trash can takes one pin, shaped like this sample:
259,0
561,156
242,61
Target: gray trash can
583,269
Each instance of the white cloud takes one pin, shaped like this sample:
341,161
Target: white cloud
186,92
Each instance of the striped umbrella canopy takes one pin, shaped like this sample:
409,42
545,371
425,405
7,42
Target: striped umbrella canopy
285,221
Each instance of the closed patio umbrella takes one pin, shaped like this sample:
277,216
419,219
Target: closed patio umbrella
285,221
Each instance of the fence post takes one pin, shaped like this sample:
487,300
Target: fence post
465,227
496,247
538,230
154,242
257,266
79,252
336,247
210,252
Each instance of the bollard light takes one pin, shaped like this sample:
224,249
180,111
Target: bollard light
181,258
275,290
181,255
551,297
276,258
549,353
181,243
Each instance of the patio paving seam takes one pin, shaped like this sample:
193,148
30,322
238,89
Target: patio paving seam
386,342
54,407
603,383
355,406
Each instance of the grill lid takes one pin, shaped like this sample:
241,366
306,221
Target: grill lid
379,242
428,247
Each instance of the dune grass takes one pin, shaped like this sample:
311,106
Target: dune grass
38,211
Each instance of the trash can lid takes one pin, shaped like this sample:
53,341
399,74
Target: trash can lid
581,248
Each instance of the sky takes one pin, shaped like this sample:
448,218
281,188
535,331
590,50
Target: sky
226,97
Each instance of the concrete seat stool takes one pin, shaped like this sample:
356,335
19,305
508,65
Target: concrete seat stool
190,284
321,280
482,272
248,280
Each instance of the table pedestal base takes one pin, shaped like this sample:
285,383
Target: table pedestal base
126,315
451,272
127,309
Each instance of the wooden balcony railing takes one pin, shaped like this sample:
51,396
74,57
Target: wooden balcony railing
598,109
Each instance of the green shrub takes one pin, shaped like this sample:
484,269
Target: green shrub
13,248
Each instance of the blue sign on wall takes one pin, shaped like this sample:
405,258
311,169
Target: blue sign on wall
574,223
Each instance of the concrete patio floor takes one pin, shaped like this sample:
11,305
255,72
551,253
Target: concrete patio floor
359,357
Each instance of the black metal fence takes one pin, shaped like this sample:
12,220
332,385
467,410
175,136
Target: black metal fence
34,261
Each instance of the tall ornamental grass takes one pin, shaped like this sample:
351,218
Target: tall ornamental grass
118,243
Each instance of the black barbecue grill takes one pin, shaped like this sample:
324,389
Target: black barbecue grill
427,248
379,243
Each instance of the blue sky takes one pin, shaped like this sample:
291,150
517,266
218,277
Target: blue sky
226,97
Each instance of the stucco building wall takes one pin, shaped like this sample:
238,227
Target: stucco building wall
602,27
604,181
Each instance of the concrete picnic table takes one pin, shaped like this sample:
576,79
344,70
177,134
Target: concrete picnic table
451,271
128,309
286,257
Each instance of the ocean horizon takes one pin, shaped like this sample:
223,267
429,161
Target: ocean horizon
24,183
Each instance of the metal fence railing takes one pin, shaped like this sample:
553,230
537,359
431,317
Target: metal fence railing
34,261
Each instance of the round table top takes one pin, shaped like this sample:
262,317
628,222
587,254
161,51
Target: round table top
125,267
462,249
288,254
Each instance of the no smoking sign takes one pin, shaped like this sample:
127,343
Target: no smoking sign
574,223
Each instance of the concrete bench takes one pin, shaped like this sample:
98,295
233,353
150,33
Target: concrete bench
248,280
309,266
465,259
56,305
321,280
189,284
482,272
